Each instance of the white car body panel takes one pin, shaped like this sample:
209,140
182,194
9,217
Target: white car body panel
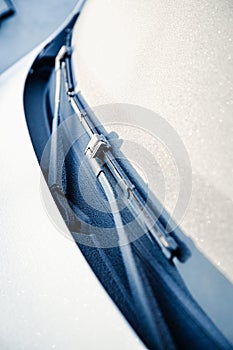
50,298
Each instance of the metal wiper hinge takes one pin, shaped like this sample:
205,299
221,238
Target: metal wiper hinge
97,146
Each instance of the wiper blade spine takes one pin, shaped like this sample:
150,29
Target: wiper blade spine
99,148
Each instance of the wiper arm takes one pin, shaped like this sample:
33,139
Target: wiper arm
99,152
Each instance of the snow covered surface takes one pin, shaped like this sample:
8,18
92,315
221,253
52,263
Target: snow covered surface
174,58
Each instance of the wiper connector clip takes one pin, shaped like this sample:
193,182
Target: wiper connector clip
97,146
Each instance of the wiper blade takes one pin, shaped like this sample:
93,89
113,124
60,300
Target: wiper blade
99,152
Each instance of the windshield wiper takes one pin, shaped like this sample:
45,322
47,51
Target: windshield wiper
99,153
